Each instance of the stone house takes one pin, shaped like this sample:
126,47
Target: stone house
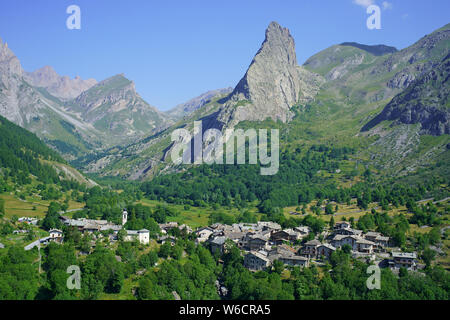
403,260
203,234
217,244
325,250
56,235
309,250
377,238
256,261
143,236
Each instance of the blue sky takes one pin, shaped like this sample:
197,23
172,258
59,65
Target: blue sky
176,50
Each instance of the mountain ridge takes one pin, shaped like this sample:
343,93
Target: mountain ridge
61,87
329,99
59,110
348,90
196,103
426,101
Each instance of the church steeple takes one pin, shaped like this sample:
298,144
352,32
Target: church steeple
124,216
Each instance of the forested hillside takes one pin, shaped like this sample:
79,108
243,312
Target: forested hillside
21,153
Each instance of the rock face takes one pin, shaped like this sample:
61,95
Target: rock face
425,101
35,110
10,80
344,83
271,85
9,64
114,107
59,86
107,113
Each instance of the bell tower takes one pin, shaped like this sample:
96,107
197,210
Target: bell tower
124,216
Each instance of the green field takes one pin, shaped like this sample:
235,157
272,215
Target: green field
194,217
30,207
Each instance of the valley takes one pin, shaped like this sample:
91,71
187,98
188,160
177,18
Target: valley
363,180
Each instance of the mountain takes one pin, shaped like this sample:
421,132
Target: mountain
272,84
196,103
25,156
10,81
61,87
36,110
115,109
356,74
326,101
359,86
426,101
74,116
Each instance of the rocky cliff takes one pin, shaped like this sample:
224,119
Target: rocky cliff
196,103
272,84
59,86
114,107
426,101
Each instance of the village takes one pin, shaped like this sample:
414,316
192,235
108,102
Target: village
261,243
264,242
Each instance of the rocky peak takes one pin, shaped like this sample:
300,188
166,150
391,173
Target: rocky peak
114,108
271,84
277,51
60,86
108,91
45,76
280,43
9,64
119,81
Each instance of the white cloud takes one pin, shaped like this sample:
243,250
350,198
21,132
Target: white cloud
387,5
364,3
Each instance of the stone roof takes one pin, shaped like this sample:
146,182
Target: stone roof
204,229
364,241
235,235
91,226
269,224
291,232
302,229
110,227
219,240
259,255
293,257
258,237
314,242
327,245
339,224
373,234
339,237
355,231
410,255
